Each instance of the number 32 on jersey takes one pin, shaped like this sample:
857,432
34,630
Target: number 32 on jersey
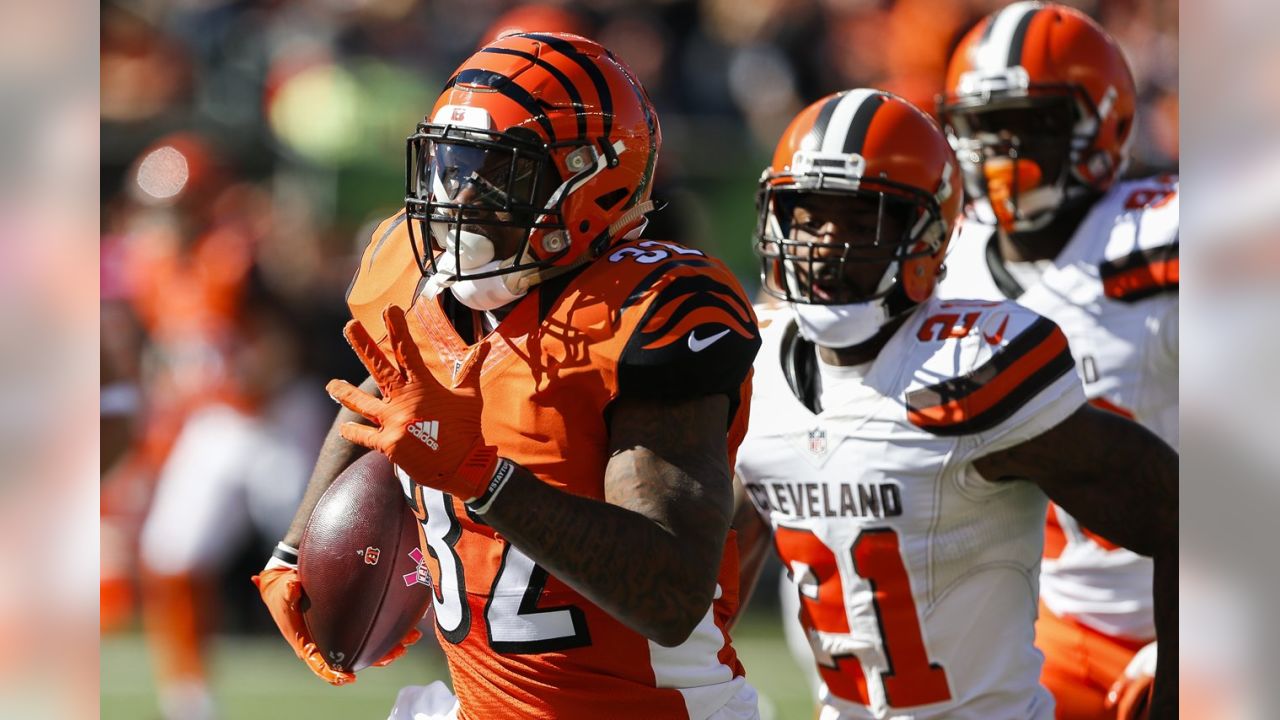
514,619
909,679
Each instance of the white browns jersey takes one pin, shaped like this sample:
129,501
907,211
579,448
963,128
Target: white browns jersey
1113,291
917,577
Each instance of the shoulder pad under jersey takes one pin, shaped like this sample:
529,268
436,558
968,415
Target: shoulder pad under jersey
1134,233
692,331
975,364
388,275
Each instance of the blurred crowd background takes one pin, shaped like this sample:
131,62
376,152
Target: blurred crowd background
303,106
248,149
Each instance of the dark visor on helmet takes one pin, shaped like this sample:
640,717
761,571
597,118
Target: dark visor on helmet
460,176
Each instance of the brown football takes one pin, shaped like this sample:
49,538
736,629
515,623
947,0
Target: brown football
359,563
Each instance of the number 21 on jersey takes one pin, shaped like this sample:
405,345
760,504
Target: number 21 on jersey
909,679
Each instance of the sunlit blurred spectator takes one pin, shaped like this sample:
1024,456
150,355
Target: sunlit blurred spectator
227,424
144,72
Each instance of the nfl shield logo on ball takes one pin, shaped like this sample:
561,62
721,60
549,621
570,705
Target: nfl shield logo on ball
371,555
818,441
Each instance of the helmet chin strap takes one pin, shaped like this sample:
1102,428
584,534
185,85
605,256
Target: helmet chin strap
489,293
496,291
485,293
628,218
473,249
841,326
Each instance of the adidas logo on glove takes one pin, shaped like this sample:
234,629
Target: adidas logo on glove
428,431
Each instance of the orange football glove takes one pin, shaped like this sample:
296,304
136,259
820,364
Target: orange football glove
1130,696
430,431
281,590
395,653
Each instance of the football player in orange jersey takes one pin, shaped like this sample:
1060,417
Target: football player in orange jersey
1040,106
902,446
563,401
221,424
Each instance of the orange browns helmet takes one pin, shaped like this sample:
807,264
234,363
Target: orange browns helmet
1039,106
860,143
554,134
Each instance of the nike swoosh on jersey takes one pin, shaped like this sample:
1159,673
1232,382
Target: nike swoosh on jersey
697,345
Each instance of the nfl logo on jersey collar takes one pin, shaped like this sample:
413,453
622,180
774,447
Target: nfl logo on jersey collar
813,444
818,441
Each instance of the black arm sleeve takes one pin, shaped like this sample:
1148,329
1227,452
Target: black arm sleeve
698,336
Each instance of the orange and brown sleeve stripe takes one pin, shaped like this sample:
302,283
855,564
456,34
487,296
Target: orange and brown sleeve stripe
1141,274
988,395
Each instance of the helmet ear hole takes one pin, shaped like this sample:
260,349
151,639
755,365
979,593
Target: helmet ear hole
611,198
1122,127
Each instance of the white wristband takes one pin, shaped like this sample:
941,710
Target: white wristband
501,475
283,556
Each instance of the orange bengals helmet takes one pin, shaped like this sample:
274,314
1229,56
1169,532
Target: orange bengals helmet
553,135
869,145
1039,106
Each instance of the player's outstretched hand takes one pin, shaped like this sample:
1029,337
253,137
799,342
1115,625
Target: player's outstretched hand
281,590
431,431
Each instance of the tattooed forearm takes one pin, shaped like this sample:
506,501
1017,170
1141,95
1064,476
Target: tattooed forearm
335,455
649,554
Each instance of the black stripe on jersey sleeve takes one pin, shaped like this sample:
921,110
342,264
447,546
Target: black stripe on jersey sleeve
705,346
1011,403
960,388
1110,273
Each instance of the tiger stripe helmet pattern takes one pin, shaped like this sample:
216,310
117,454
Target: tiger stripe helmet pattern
563,137
858,143
1028,53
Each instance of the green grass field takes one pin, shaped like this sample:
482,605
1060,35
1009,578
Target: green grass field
258,678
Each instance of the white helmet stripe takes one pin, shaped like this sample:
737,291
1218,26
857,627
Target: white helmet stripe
838,128
992,55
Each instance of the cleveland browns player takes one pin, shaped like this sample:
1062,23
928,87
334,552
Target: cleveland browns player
563,401
902,447
1040,110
